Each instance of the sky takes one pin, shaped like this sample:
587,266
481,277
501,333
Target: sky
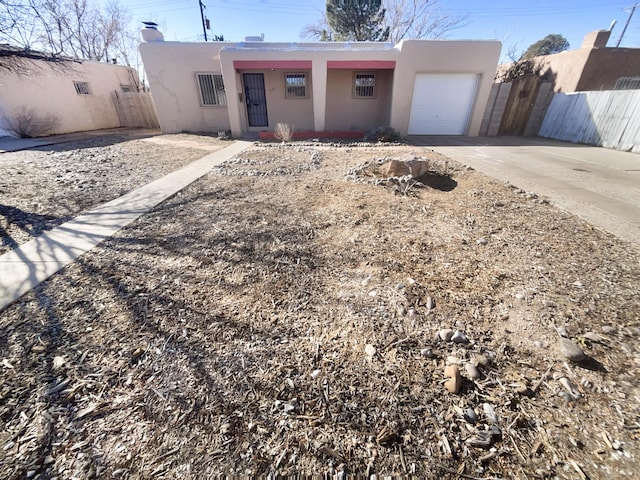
516,23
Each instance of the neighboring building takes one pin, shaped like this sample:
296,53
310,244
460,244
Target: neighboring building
417,87
70,95
593,66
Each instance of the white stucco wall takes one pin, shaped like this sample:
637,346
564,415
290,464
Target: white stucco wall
48,90
171,69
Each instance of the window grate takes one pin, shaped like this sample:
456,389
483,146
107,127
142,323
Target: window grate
211,89
627,83
364,85
296,85
82,88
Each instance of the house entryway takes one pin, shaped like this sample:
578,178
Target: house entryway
442,103
255,99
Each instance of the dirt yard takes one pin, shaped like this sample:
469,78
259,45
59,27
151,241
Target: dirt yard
293,312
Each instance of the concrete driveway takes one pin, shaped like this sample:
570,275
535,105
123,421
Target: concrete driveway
601,186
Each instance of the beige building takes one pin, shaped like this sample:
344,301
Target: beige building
592,67
70,96
418,86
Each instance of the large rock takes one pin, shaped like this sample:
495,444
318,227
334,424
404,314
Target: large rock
400,168
571,350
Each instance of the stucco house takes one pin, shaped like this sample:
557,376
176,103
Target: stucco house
69,95
592,67
417,86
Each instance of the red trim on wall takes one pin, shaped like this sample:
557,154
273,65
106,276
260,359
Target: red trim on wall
280,64
362,64
267,136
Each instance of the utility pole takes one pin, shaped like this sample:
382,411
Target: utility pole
204,24
633,9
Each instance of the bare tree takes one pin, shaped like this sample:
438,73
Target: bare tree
75,28
320,30
415,19
410,19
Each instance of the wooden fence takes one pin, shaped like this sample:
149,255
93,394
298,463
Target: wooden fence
609,118
135,109
508,96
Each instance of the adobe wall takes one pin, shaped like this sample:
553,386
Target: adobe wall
442,56
344,112
171,69
605,65
48,90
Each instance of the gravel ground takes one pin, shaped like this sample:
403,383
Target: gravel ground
296,312
44,187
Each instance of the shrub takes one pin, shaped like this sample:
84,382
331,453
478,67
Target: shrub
283,132
29,123
383,134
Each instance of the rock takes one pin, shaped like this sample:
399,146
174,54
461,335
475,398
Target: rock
490,413
482,241
522,389
608,329
519,296
431,304
459,337
562,331
550,304
627,347
315,374
58,362
454,382
426,352
470,415
594,337
481,360
453,360
400,168
445,334
472,371
370,350
485,438
571,350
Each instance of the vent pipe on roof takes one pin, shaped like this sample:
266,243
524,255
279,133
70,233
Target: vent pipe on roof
150,32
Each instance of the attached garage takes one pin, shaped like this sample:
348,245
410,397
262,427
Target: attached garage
442,103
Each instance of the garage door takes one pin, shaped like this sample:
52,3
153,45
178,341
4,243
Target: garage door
442,103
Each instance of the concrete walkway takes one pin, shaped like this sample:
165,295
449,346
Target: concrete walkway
33,262
13,144
600,185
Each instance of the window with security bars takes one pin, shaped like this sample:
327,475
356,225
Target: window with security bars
364,85
82,88
296,85
211,89
627,83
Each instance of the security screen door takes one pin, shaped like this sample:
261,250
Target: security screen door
255,99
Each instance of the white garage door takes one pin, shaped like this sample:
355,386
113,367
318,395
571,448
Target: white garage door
442,103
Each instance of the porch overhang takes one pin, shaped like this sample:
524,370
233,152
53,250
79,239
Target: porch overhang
361,64
272,64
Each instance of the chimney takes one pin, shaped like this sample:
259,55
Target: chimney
150,32
597,39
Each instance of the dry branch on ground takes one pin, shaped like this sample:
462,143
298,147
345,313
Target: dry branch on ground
278,318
